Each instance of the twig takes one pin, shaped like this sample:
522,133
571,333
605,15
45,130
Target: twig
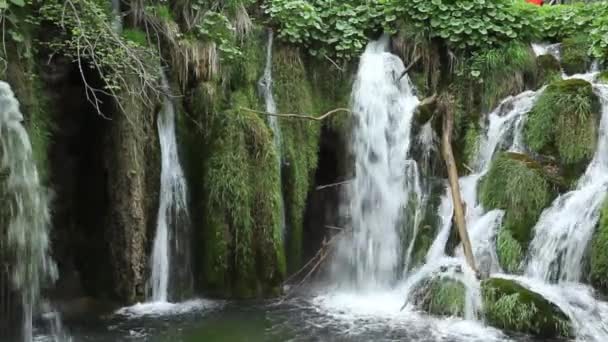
334,228
411,65
470,169
299,116
334,63
321,187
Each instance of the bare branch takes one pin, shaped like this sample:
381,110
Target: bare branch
321,187
299,116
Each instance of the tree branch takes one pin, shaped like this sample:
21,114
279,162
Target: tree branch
299,116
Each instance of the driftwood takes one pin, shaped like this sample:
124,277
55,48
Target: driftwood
299,116
313,265
450,162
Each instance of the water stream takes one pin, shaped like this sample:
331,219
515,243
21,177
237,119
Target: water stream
265,86
383,108
565,229
172,226
27,202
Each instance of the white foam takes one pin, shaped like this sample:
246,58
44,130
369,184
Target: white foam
168,309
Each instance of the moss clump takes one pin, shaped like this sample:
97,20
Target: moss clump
232,166
300,143
510,251
575,59
548,69
441,296
599,254
603,77
504,71
510,306
428,226
136,36
564,122
243,242
519,187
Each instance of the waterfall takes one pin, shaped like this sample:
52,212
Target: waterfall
502,132
27,204
173,219
265,87
116,12
565,229
383,104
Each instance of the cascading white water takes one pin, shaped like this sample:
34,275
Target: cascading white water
501,133
265,86
565,229
28,209
548,49
172,203
383,105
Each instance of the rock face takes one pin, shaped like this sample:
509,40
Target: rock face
132,184
510,306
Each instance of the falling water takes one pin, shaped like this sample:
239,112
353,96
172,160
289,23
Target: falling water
265,86
565,229
29,221
116,12
172,221
548,49
501,133
383,107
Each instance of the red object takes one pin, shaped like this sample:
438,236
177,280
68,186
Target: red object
535,2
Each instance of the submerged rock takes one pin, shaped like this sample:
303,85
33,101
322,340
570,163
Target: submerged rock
440,296
510,306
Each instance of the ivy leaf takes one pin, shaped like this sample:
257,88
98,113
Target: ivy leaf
19,3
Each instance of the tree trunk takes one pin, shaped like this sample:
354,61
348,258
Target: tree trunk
450,163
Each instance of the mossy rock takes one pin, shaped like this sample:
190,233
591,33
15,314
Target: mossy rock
428,226
603,77
564,124
517,184
510,306
575,59
548,69
440,296
599,254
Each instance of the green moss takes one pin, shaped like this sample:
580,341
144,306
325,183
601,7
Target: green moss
575,59
471,143
428,226
441,296
603,77
519,187
510,306
509,250
300,143
548,70
563,122
22,74
599,253
503,72
136,36
232,165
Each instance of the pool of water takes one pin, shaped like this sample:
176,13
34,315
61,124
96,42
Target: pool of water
327,317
